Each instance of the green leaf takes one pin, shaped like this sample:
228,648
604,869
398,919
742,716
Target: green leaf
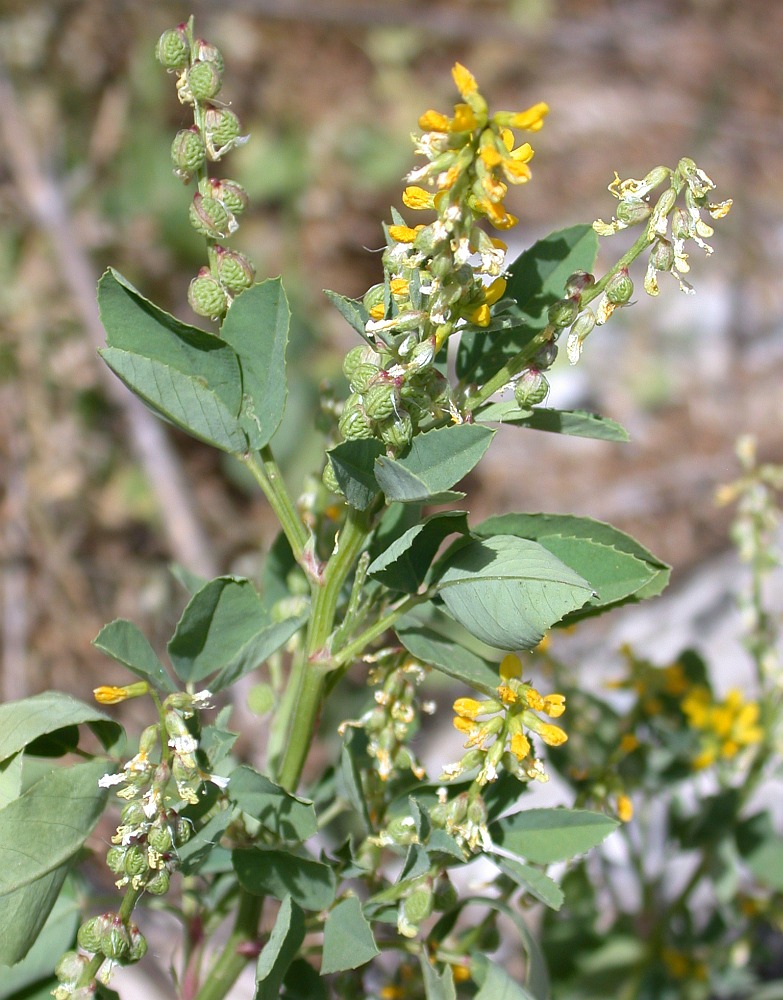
353,464
280,950
437,986
183,400
576,423
508,591
56,936
534,882
256,326
437,460
495,982
277,873
543,528
538,278
39,834
125,642
351,310
23,722
187,376
287,816
348,940
194,854
226,628
10,778
349,775
302,982
544,836
614,575
435,639
404,564
761,848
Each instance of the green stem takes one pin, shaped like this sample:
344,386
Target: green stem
232,960
349,652
268,476
514,365
309,673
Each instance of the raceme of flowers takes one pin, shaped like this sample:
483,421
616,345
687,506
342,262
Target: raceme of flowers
498,729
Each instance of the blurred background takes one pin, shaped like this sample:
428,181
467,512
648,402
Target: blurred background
95,504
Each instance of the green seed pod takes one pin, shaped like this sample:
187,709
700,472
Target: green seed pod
362,376
115,859
329,479
632,211
230,193
70,967
352,360
662,255
158,885
353,423
546,356
138,946
235,272
132,814
173,50
115,940
417,906
620,287
204,80
211,218
578,282
188,153
423,354
379,400
563,313
489,939
183,831
374,297
91,932
135,861
160,838
221,128
531,388
206,295
402,831
399,433
477,811
681,224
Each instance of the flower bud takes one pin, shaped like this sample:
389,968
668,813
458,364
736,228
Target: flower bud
235,271
173,50
188,153
206,295
579,332
204,80
115,940
418,905
578,282
222,129
230,193
211,218
563,312
619,288
399,433
631,211
91,932
531,387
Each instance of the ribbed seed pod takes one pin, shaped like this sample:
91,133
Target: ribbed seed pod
379,400
188,152
173,50
206,295
210,217
399,432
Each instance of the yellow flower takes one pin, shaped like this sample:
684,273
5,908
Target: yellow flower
404,234
378,311
399,286
531,120
464,80
468,708
461,973
520,746
554,705
494,291
108,695
534,699
624,809
628,743
553,736
416,197
464,119
433,121
507,695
